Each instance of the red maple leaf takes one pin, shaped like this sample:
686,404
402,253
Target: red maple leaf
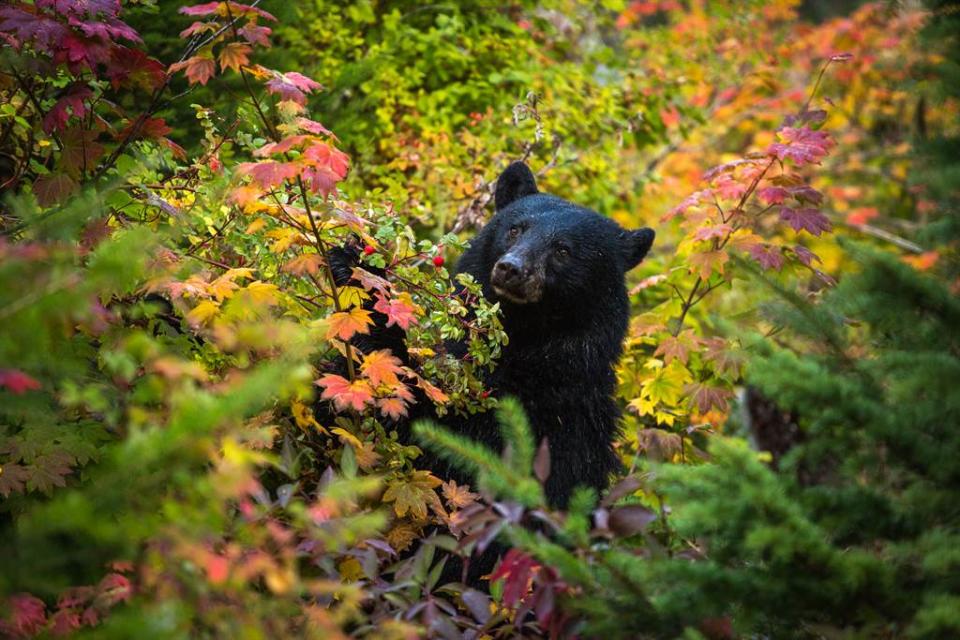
269,174
53,188
773,195
517,571
292,86
12,479
80,150
804,255
17,381
132,67
313,127
769,257
64,622
225,9
345,394
28,25
255,34
401,312
718,231
808,219
28,615
73,103
802,145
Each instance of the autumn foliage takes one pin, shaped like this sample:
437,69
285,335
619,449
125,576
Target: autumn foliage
181,456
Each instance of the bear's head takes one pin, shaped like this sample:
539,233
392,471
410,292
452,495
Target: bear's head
541,253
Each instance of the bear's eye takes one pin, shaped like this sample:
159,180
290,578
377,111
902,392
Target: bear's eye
562,251
514,231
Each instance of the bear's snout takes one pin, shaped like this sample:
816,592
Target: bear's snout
514,280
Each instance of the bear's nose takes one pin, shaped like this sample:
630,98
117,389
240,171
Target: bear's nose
507,271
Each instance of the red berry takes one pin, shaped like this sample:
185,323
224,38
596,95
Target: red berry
438,261
484,394
369,250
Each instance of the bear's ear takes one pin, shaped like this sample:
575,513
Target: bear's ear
634,245
515,182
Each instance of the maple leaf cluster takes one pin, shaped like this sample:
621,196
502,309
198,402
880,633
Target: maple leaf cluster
76,607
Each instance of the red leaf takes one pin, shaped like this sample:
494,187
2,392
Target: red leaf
400,311
705,397
292,86
114,588
80,150
804,255
808,219
313,127
12,479
718,231
344,394
269,174
43,32
198,27
516,569
65,622
769,257
27,614
225,9
255,34
205,9
53,188
134,68
73,103
218,568
17,381
690,201
802,145
773,195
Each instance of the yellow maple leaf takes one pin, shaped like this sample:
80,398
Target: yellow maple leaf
263,292
350,570
303,416
415,495
202,313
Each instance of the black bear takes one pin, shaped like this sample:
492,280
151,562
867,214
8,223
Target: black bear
558,271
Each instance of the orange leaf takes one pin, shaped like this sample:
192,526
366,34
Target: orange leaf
234,55
381,367
199,68
458,496
306,263
433,392
393,407
344,324
708,262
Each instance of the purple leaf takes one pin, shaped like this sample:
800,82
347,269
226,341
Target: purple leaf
806,219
